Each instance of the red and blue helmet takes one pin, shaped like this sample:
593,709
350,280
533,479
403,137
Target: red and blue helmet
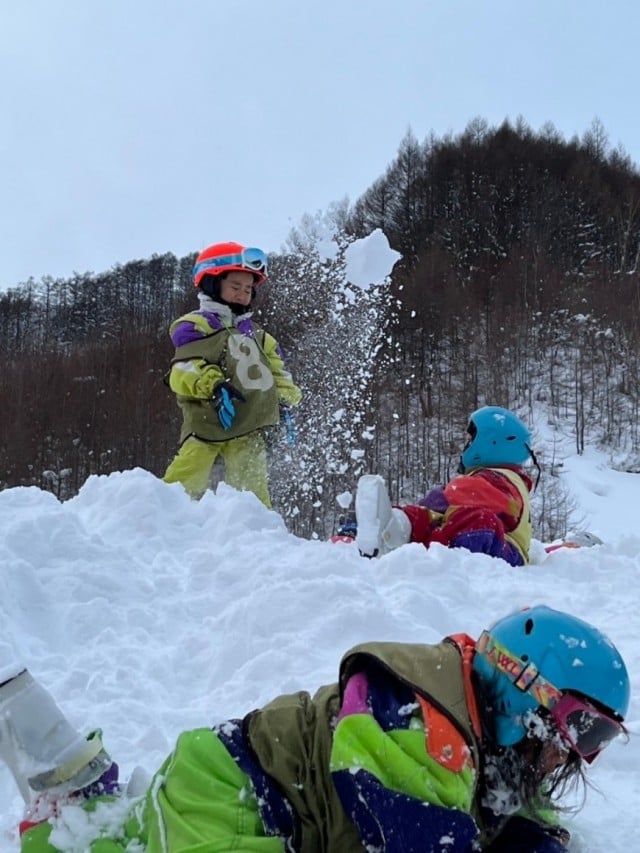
221,258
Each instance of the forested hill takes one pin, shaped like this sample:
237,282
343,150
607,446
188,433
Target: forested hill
519,286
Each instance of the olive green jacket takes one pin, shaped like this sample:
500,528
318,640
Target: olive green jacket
292,736
234,350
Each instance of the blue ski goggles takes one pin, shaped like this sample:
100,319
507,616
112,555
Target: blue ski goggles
252,260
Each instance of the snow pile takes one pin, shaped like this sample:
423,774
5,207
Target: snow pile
146,613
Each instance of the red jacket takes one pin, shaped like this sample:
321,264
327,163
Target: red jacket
485,510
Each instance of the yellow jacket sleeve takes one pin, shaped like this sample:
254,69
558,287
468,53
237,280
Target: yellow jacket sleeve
194,378
288,391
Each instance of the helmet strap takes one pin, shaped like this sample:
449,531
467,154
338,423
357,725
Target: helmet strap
537,466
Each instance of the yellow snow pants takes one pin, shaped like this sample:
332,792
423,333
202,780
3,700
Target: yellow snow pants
245,462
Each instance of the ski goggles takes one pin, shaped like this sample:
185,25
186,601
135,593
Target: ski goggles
586,729
253,260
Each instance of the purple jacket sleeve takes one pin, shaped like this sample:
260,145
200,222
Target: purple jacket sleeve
435,500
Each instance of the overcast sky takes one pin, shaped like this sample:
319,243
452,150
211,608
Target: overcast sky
129,127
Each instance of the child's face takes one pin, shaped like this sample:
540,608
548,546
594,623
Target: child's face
237,287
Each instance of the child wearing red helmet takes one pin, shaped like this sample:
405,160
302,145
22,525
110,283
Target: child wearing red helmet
228,375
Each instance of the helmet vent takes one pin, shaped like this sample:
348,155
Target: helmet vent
528,626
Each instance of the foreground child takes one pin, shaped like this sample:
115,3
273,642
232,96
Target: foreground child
458,747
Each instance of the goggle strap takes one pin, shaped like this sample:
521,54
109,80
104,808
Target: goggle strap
523,675
257,265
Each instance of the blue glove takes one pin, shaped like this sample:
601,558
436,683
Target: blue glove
289,426
223,396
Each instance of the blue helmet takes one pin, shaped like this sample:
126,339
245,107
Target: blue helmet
540,642
497,437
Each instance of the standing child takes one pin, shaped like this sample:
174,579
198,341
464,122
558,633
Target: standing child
228,375
486,509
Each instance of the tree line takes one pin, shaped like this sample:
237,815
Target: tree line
518,286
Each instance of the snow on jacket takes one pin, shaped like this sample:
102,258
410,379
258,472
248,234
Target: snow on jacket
389,759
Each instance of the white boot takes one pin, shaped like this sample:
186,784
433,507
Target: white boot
381,527
40,746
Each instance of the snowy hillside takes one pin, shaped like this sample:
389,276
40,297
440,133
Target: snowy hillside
145,613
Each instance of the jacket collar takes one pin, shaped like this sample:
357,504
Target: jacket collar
223,311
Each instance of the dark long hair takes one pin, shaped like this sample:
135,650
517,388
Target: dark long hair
549,789
514,776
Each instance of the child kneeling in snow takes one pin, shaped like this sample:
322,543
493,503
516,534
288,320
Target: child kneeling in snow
487,509
459,746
